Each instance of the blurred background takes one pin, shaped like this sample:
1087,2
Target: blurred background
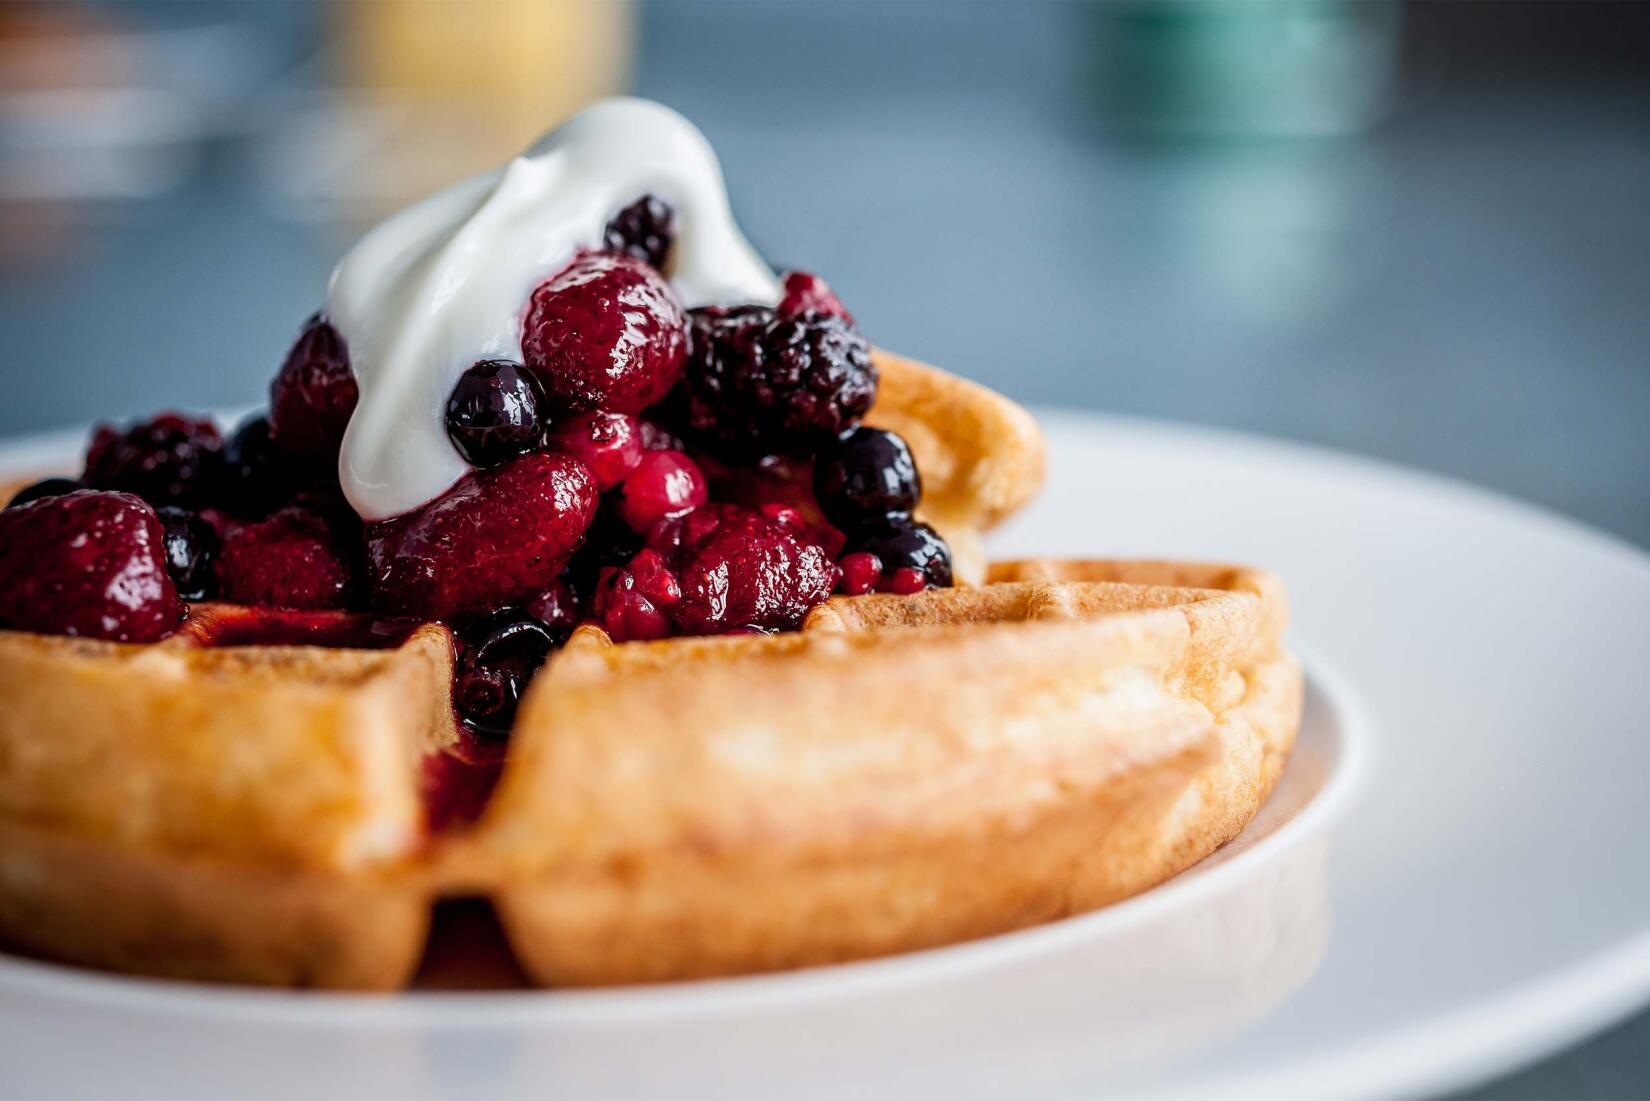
1415,231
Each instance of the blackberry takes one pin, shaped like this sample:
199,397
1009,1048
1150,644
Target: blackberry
867,475
170,459
645,229
902,543
759,383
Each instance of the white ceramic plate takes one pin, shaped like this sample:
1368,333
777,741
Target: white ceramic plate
1469,900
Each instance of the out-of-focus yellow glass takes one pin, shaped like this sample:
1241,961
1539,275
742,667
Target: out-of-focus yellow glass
457,86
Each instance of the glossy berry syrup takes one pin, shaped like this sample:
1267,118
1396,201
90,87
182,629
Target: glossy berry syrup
222,625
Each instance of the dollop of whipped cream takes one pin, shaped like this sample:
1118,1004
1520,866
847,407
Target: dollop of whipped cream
446,281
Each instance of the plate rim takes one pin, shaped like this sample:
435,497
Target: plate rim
1484,1038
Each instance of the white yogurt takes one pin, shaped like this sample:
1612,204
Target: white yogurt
445,282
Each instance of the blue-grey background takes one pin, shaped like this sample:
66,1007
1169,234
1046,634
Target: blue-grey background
1434,248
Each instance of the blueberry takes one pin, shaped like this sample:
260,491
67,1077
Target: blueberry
255,478
191,548
900,542
500,656
493,413
867,475
48,487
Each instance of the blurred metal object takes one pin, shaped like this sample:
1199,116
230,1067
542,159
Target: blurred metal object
1246,68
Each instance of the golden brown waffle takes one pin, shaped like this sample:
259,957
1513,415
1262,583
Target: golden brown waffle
904,772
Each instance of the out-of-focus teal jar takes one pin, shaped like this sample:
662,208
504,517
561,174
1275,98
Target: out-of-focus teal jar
1245,68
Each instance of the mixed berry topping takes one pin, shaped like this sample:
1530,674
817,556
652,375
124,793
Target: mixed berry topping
657,437
907,580
661,485
493,413
762,383
256,481
654,471
866,476
89,563
46,487
169,460
901,543
313,397
609,542
191,552
290,560
610,444
643,230
747,570
634,602
861,573
499,537
557,609
605,333
807,293
237,625
497,658
716,569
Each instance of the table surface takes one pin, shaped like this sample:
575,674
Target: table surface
1463,288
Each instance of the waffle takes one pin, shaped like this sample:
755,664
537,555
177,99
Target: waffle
904,772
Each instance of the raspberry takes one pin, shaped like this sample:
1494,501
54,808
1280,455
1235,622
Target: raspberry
760,384
88,563
864,477
783,515
669,535
627,615
498,537
313,397
860,573
745,571
661,485
610,444
633,602
291,560
493,412
907,580
644,230
808,293
170,460
607,332
191,551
